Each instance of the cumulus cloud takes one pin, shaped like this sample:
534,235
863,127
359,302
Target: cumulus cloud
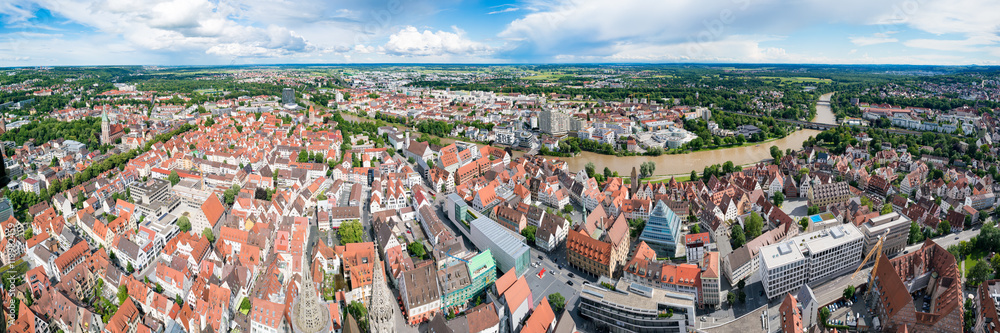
411,42
561,27
179,26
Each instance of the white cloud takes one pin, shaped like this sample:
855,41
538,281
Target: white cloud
954,45
600,28
877,38
505,10
411,42
179,26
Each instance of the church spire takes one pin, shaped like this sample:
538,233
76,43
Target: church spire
380,312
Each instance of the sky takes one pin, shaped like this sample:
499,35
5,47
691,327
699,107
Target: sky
247,32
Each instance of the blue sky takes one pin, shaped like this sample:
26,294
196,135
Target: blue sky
221,32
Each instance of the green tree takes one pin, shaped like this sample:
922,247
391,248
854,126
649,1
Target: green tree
695,229
730,297
754,225
915,234
739,238
557,301
174,178
417,249
129,268
360,313
694,176
824,314
980,272
607,173
207,233
245,305
944,228
886,209
849,292
230,194
351,232
184,223
122,293
778,199
812,210
529,233
590,168
776,154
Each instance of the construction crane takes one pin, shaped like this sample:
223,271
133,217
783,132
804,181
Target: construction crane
876,251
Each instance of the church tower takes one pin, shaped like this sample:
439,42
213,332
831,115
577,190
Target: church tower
105,128
380,312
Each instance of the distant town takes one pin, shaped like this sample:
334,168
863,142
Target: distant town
489,198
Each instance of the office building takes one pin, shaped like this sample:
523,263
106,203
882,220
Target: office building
288,97
662,230
632,307
896,229
809,258
508,248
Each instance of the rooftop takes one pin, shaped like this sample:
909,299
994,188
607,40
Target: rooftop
635,296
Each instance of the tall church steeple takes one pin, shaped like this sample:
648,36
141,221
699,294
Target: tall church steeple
380,312
105,128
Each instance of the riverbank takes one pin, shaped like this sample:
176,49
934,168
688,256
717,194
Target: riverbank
669,164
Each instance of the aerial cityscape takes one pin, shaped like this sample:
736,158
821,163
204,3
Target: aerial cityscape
250,167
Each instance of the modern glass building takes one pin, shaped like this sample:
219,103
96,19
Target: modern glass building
662,230
508,248
483,271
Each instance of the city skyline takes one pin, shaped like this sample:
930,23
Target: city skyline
249,32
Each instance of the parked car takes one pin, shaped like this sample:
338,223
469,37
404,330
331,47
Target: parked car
569,282
571,275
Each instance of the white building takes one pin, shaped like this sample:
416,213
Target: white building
808,258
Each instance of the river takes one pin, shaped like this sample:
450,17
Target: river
683,163
824,115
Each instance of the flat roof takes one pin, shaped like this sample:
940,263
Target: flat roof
624,296
829,238
500,236
780,254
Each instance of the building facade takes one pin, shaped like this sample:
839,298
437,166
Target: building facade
808,258
632,307
662,230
